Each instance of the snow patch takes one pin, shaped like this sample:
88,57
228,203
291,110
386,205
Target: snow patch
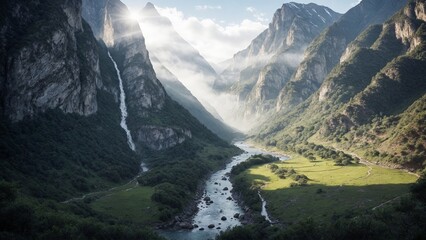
327,12
294,5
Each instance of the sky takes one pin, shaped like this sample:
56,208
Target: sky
223,24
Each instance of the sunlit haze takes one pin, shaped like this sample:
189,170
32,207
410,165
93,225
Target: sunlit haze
219,29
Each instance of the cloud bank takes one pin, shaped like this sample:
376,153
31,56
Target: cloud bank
216,41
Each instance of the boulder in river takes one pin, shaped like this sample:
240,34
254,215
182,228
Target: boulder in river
207,199
211,226
218,228
225,189
224,178
201,229
195,226
185,225
237,215
229,198
223,218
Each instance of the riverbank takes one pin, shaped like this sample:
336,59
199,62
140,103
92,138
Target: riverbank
218,207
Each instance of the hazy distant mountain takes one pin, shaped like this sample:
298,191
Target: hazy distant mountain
178,92
257,74
176,54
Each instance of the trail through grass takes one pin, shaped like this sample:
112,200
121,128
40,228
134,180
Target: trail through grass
331,191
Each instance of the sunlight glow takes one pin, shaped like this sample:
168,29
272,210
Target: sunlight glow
134,15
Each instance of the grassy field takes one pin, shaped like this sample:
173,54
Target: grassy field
132,204
343,189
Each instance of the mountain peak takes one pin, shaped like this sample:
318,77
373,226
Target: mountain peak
149,5
150,11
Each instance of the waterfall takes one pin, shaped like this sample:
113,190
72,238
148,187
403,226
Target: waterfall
123,107
264,212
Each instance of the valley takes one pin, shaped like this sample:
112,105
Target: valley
125,119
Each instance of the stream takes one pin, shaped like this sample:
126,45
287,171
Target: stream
123,109
221,204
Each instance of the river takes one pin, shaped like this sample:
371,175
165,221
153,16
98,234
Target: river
218,189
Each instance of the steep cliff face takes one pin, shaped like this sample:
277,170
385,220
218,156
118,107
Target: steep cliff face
155,121
145,96
259,72
401,81
160,138
56,66
325,52
122,35
292,28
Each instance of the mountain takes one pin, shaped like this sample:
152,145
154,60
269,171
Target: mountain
325,52
372,102
177,55
182,62
65,84
257,73
178,92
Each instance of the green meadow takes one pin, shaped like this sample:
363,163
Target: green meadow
130,204
331,191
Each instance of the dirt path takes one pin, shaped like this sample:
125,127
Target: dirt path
389,201
133,181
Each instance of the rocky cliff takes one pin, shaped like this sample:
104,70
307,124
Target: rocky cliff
325,52
122,35
258,73
373,100
145,96
56,66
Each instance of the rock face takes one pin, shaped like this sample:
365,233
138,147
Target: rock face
145,95
373,99
127,45
55,67
159,138
258,73
325,52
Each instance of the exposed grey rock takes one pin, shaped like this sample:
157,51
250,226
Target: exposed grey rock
52,70
326,50
159,138
258,73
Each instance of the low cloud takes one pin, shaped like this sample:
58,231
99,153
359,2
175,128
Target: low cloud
215,40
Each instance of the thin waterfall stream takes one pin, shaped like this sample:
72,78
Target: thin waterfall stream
123,106
124,113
